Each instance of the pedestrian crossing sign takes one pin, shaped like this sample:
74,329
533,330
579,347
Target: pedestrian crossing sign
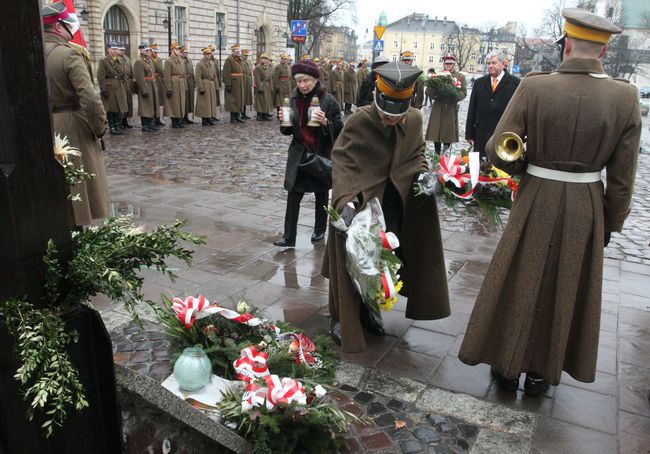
378,45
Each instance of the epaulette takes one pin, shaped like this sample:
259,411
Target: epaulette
536,73
80,49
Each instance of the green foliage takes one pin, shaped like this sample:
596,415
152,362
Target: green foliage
48,379
75,175
312,428
104,260
443,88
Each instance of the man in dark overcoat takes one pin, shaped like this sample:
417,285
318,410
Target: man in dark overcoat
128,84
379,154
144,73
490,96
539,308
112,87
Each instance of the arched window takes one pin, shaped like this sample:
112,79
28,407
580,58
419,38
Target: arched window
116,27
261,41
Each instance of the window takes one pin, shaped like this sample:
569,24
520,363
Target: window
116,27
471,68
415,44
180,24
432,46
395,44
431,59
472,56
394,57
442,47
452,48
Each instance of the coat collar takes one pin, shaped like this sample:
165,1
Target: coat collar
581,65
54,38
374,113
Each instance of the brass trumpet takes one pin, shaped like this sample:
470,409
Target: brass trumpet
510,147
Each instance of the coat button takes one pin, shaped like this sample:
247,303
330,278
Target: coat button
532,341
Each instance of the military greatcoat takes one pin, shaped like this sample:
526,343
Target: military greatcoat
112,84
350,91
337,82
191,85
145,77
78,114
174,74
281,84
362,73
205,75
248,82
540,304
324,77
233,80
127,69
367,157
263,89
443,119
160,80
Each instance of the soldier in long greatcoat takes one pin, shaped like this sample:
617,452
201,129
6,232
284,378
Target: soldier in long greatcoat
539,308
127,69
443,119
337,83
263,89
190,83
281,82
145,78
248,83
77,112
175,86
112,87
205,75
324,71
350,88
380,154
233,80
158,65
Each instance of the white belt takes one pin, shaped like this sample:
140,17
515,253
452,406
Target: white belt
559,175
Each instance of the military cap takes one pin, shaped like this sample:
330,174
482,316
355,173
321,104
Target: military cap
144,46
449,58
175,45
306,57
55,12
184,49
395,86
380,60
235,47
264,56
587,26
316,60
207,50
407,55
112,45
153,47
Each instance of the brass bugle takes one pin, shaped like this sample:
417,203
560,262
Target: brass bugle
510,147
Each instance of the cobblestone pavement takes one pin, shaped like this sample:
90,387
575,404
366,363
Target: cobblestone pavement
251,159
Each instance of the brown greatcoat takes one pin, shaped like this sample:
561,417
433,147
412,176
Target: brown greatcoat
324,76
233,79
281,84
248,82
144,73
112,84
337,83
174,74
350,89
366,157
362,73
128,83
443,119
205,75
539,307
160,80
191,85
418,95
263,89
78,114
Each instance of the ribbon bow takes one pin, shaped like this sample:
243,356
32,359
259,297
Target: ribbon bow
254,396
452,170
251,364
283,392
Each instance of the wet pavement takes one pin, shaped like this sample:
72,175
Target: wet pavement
226,181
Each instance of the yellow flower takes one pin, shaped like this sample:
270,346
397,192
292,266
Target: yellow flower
62,149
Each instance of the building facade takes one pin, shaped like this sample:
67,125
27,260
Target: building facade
258,25
337,42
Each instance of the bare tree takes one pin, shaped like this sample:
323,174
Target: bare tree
316,13
466,43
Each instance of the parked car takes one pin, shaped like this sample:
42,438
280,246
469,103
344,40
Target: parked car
644,92
644,109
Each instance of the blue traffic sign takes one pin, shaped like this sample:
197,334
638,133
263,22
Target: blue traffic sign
378,45
515,68
298,28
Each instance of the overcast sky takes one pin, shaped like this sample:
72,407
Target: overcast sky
473,13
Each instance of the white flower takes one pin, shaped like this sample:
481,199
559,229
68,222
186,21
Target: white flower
319,391
243,307
62,149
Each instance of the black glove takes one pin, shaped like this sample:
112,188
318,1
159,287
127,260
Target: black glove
347,214
228,88
144,95
201,91
168,94
608,236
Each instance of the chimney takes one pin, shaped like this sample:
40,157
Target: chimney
444,21
435,20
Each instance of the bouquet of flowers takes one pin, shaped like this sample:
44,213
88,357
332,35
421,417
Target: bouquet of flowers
466,178
445,86
370,260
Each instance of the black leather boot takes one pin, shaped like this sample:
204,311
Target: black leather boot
125,123
146,126
243,114
158,122
372,322
535,385
187,121
112,123
506,384
233,118
176,123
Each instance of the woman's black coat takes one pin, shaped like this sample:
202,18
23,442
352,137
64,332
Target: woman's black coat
295,180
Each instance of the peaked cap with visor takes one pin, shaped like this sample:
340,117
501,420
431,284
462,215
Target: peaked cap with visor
394,87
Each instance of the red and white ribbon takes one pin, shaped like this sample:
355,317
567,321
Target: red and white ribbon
388,285
251,365
389,240
192,308
304,347
452,170
283,392
254,396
